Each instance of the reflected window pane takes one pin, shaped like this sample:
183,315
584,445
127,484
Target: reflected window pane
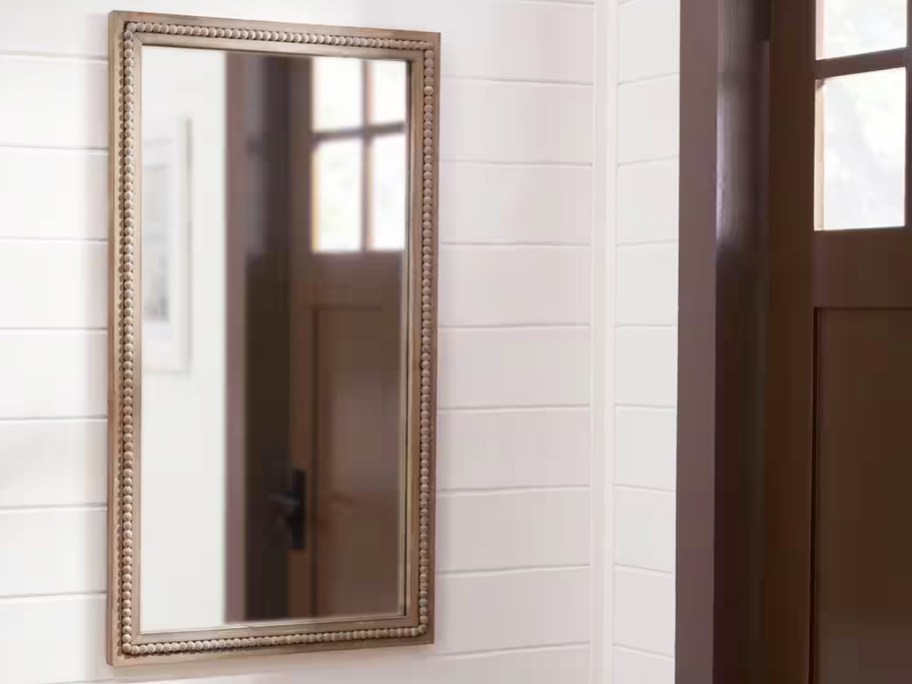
388,91
337,196
388,192
850,27
863,150
338,91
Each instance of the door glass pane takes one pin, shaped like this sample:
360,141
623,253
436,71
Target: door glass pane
850,27
337,196
863,153
338,92
389,81
388,191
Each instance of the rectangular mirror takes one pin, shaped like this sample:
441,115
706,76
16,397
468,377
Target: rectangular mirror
272,337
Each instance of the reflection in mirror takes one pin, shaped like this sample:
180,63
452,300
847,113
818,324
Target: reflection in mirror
274,331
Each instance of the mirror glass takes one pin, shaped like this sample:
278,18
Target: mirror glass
275,207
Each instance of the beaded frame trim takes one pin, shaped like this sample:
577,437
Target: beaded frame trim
126,645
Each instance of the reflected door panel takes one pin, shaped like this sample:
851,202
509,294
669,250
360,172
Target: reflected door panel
280,431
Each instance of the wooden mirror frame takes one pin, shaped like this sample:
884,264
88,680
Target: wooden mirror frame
128,33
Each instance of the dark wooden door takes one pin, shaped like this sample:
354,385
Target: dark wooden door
838,596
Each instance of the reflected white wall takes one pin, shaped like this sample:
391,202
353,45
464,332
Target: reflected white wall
183,411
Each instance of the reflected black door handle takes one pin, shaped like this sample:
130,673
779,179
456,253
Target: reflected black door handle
292,507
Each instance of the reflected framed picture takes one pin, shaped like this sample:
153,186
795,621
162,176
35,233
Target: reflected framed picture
166,245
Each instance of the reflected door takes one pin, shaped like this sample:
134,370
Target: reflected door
318,308
356,402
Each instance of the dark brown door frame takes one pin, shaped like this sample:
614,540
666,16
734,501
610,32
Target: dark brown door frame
722,304
790,423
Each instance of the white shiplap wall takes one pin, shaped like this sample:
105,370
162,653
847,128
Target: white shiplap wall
516,528
646,314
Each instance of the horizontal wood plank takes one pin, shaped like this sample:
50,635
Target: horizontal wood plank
649,39
479,286
516,122
647,363
647,284
73,626
515,204
510,203
514,285
478,532
645,443
635,667
50,374
648,120
644,530
53,103
52,463
640,217
53,194
526,448
486,121
52,551
488,38
489,613
497,39
513,367
644,605
513,530
47,284
513,610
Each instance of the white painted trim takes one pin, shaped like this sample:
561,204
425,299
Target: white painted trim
603,332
